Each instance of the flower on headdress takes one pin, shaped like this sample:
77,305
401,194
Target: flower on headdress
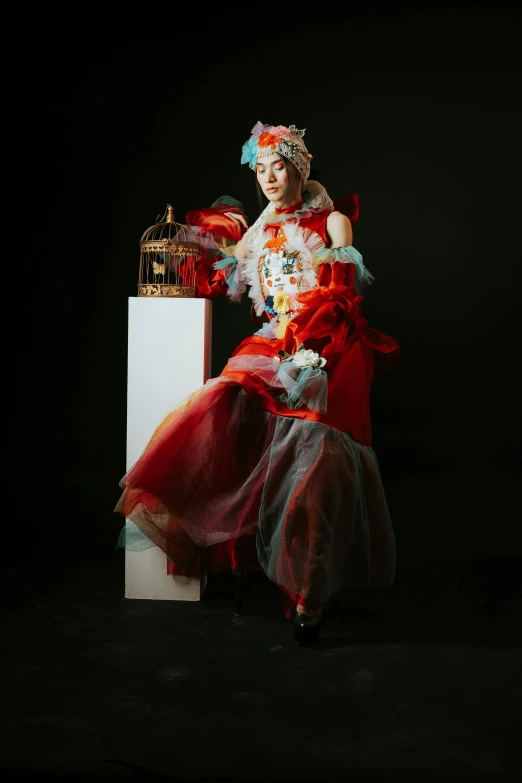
260,128
280,130
268,140
249,152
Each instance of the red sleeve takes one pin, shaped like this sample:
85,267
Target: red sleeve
337,273
214,219
211,282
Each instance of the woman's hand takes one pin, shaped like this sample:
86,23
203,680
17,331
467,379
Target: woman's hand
238,218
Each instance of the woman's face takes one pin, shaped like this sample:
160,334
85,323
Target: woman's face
273,177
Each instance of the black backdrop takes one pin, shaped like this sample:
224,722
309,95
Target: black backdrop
115,110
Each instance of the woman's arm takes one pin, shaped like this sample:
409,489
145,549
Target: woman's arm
339,230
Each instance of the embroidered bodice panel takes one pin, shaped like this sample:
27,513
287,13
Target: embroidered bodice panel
280,263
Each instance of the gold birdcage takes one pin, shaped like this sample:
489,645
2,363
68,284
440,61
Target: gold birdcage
169,251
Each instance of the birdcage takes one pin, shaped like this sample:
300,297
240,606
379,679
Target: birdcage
168,255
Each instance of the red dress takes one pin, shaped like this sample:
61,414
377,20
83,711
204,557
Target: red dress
270,465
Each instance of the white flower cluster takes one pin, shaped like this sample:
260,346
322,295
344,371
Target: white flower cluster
274,261
308,358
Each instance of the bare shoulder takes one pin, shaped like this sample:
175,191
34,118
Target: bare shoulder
339,229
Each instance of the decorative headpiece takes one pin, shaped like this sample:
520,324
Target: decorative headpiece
288,142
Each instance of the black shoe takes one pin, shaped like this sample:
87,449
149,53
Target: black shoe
307,628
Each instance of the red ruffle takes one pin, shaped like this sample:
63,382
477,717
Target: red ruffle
215,220
349,206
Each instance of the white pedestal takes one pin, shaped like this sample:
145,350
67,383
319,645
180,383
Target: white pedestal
169,351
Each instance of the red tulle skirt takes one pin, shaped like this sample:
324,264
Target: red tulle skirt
227,485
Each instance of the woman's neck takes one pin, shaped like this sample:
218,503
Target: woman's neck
294,196
289,202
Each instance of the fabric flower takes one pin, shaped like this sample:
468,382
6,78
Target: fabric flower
274,263
281,303
281,130
259,128
249,152
304,380
277,242
308,358
268,140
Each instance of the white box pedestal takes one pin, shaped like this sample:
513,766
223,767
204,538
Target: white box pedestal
169,351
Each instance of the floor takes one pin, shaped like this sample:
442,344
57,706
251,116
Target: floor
421,684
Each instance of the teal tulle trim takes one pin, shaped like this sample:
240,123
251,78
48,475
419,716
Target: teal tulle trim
132,538
347,255
307,386
228,200
225,263
234,276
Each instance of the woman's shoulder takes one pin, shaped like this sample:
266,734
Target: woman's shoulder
336,218
339,229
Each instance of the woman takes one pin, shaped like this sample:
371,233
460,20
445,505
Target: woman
270,464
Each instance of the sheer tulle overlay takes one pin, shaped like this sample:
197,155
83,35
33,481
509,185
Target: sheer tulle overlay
297,498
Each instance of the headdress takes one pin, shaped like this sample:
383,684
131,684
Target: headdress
269,139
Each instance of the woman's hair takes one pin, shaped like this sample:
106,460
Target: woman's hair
293,178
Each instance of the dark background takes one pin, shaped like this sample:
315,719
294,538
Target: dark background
116,109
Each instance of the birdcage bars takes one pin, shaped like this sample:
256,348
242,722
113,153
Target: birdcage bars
168,255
